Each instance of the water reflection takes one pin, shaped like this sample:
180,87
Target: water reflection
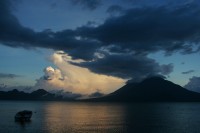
64,117
128,118
162,118
84,117
23,124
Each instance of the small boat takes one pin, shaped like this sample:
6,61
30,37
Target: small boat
23,115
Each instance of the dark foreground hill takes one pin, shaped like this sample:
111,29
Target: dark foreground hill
35,95
153,89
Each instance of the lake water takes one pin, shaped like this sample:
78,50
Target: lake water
69,117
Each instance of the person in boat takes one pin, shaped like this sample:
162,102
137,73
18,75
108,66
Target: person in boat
23,115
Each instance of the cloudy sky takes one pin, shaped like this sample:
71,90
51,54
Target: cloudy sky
85,46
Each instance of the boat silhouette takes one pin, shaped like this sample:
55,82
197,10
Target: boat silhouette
23,115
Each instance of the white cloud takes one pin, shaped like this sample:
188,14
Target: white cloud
51,74
75,79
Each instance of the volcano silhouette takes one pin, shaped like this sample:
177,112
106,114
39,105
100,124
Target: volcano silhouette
154,89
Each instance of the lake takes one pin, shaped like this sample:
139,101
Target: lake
80,117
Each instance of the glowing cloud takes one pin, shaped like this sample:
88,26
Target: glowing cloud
76,79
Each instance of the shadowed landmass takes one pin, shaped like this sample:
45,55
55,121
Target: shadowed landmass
154,89
39,94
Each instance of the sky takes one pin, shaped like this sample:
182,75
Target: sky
88,46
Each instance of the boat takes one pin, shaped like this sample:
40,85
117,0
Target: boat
23,115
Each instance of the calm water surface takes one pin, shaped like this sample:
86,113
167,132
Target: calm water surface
68,117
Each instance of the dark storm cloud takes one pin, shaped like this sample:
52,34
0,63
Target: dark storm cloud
166,69
9,76
139,30
193,84
126,66
188,72
89,4
13,34
115,9
151,29
11,30
126,39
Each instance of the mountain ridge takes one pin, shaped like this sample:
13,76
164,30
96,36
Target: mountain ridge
39,94
154,89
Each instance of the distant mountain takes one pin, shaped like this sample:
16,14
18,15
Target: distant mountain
153,89
39,94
